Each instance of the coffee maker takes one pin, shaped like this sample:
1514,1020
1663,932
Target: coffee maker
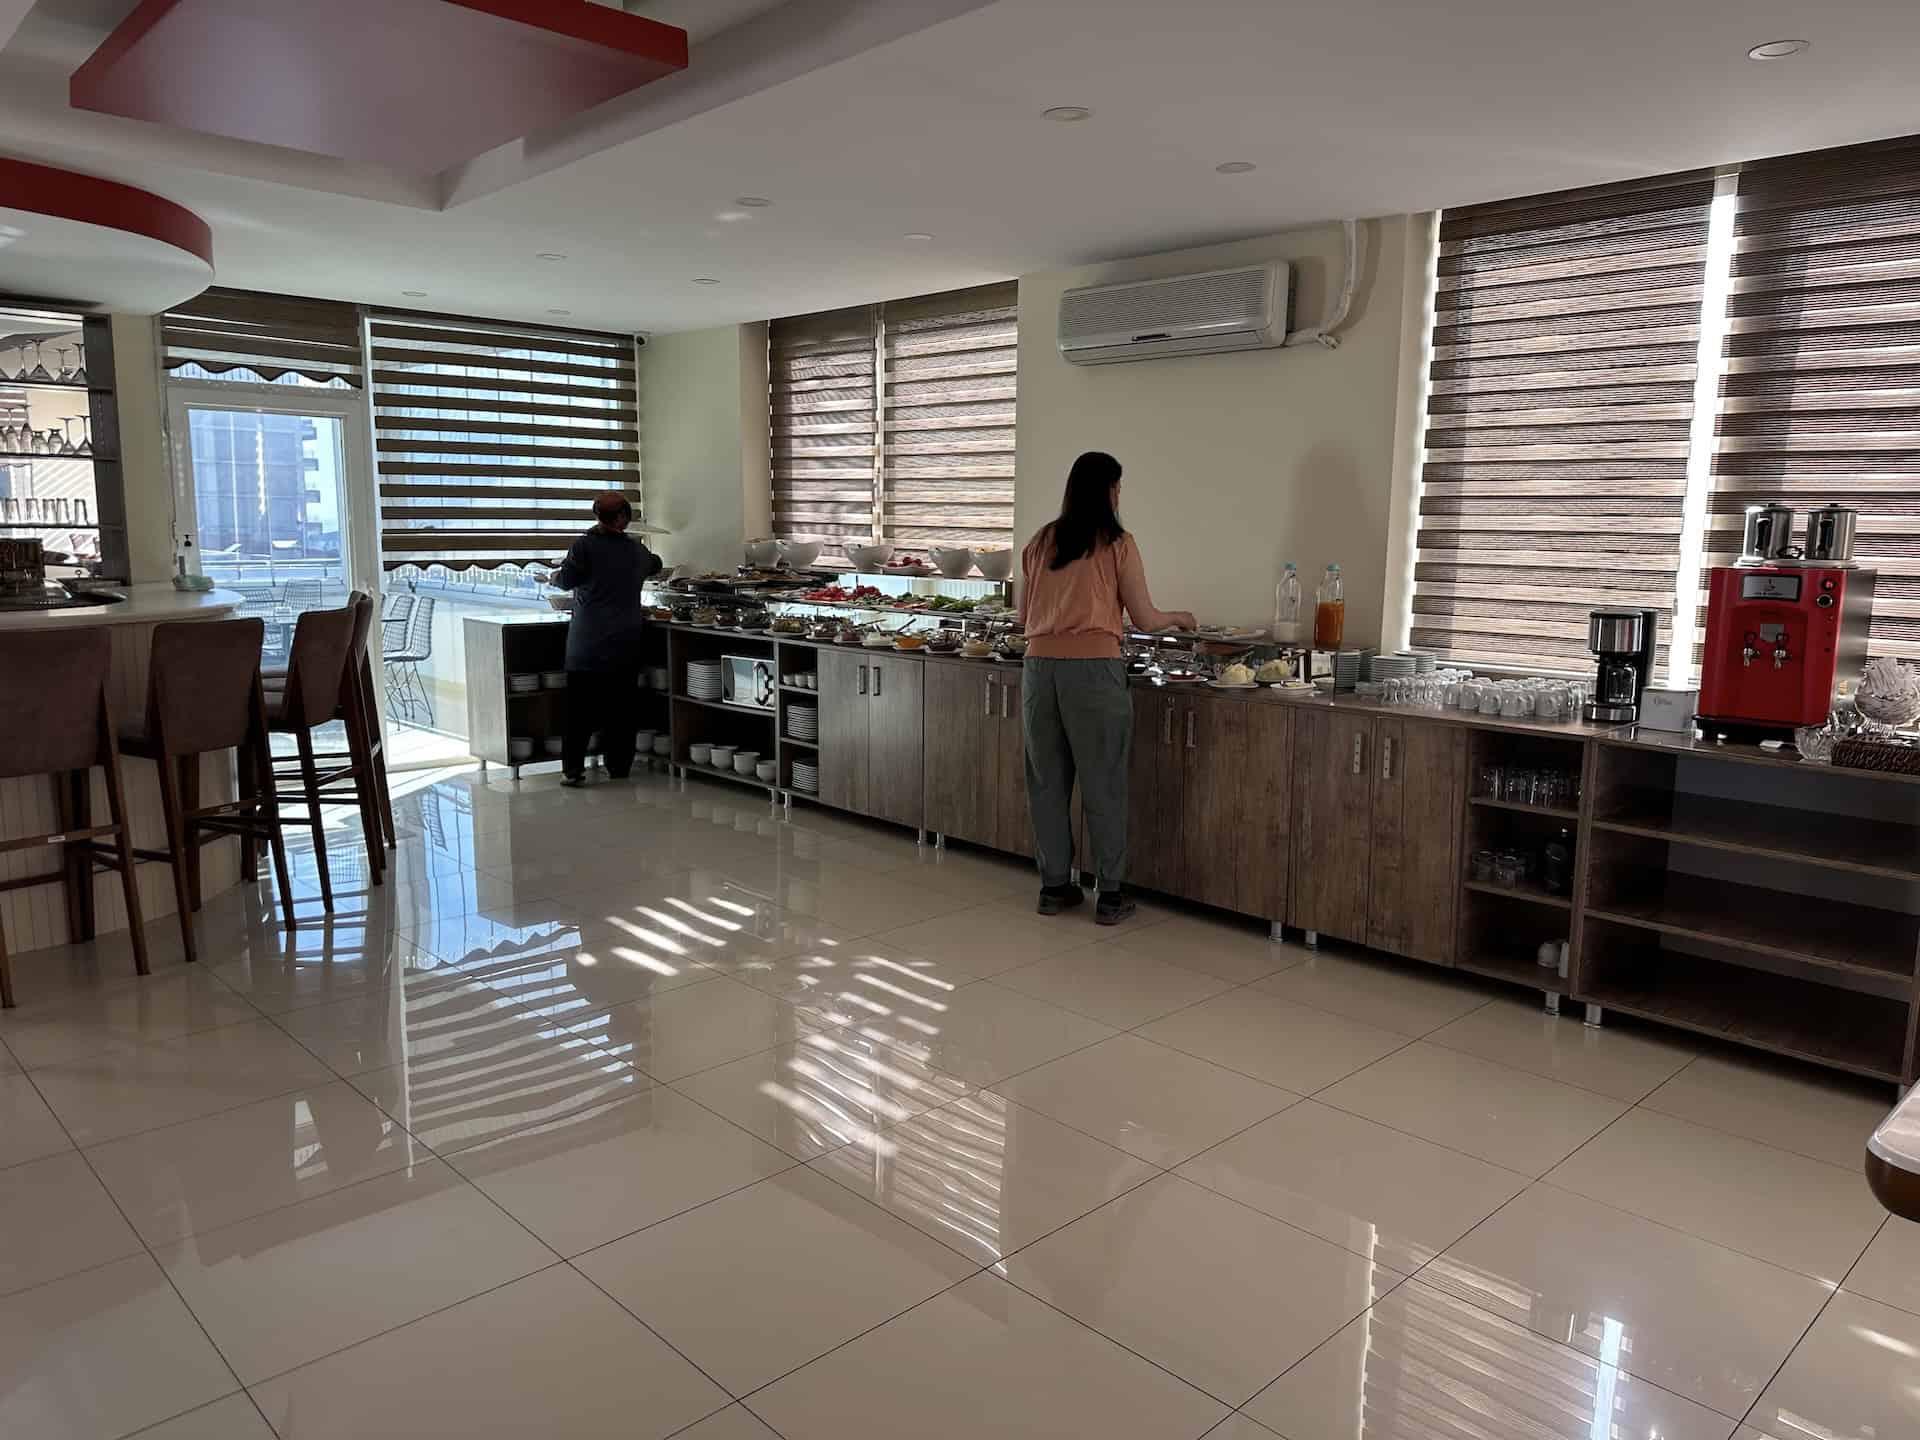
1622,642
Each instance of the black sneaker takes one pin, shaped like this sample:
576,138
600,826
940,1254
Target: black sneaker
573,782
1114,907
1055,898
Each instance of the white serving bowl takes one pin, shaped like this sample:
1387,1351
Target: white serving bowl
663,745
744,761
520,747
800,553
700,754
869,558
643,741
762,553
953,563
994,564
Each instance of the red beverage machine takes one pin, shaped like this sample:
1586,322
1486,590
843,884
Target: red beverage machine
1786,627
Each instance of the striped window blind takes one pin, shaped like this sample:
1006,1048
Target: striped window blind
895,422
1554,479
1820,388
491,441
237,335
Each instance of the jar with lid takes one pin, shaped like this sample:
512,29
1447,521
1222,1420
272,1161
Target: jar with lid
1330,611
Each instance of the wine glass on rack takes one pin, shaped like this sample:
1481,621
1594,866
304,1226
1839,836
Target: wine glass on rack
67,371
67,447
86,434
40,442
39,370
12,373
79,375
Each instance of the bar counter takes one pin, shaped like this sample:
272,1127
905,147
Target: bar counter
37,917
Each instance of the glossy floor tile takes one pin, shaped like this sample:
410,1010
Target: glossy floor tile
608,1171
1223,1296
104,1352
1352,1182
1274,1040
1494,1112
763,1280
1692,1317
1423,1363
985,1176
1151,1101
984,1359
1855,1377
647,1111
1798,1213
294,1284
547,1355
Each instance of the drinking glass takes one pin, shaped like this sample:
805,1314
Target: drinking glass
67,447
41,443
79,376
67,371
1482,866
80,512
10,372
86,435
1507,869
39,371
1492,781
1519,786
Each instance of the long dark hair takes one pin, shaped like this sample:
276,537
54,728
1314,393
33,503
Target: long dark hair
1087,516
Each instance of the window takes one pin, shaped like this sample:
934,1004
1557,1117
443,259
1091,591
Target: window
895,422
1561,397
492,441
1560,435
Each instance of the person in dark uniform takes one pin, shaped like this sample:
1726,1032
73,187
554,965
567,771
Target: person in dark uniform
605,569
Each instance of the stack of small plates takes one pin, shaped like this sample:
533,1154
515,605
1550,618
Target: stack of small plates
803,723
1348,667
703,679
522,684
1424,662
1390,667
806,778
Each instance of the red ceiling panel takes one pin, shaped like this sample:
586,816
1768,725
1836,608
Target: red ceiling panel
414,85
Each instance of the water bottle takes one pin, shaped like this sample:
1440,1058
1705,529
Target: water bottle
1286,608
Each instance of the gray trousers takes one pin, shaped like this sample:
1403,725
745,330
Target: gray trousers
1077,717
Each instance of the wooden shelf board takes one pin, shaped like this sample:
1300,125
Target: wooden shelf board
1528,891
1781,832
753,781
1551,812
723,707
800,689
800,744
1520,970
1833,934
1783,1016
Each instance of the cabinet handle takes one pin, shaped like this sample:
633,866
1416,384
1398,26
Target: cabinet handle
1004,701
863,679
1358,742
1386,758
986,698
1166,724
876,680
1190,744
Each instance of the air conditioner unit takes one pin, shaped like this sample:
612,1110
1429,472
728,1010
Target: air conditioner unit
1242,309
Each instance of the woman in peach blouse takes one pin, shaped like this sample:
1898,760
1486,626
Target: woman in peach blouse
1080,575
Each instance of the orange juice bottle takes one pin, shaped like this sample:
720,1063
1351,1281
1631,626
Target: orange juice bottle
1330,612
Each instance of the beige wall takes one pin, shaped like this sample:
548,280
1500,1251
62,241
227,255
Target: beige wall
143,451
1234,463
703,442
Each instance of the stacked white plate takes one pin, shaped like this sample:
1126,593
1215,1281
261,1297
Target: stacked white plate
522,684
1349,667
803,723
1424,662
806,778
703,679
1391,667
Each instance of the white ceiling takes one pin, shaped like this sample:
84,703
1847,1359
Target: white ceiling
861,128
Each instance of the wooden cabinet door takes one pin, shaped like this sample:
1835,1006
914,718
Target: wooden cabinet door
1331,857
844,708
895,745
1263,854
1155,783
960,755
1013,815
1417,798
1211,736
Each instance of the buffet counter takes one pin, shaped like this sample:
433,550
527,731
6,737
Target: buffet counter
37,917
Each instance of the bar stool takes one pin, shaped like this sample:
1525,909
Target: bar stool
204,695
366,712
316,682
56,722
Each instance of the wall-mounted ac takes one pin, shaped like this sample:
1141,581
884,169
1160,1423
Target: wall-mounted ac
1239,309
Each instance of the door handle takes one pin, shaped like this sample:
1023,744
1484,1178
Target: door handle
876,681
1359,741
1386,758
986,698
1190,744
1166,724
1005,701
863,679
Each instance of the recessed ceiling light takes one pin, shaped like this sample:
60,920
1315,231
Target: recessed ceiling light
559,312
414,294
705,280
1235,167
549,255
1777,49
753,202
1067,113
917,235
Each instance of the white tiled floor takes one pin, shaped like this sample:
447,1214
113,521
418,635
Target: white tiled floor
644,1112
